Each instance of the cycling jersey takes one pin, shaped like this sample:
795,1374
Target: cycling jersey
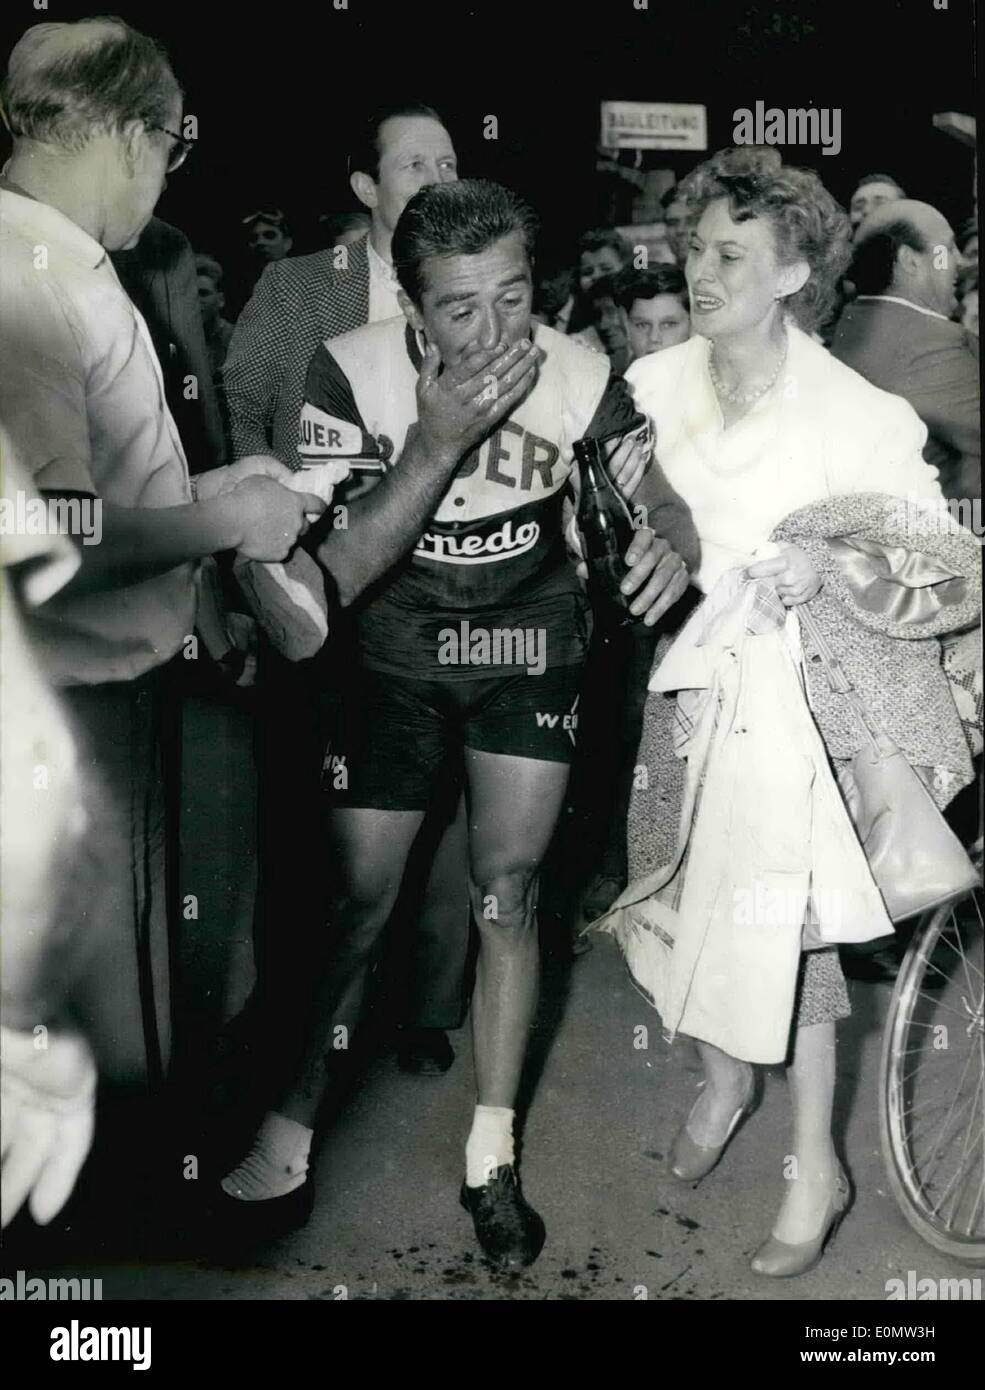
493,557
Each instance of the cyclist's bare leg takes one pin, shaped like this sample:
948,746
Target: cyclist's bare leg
514,804
371,847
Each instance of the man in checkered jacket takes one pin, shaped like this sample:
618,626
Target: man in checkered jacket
303,300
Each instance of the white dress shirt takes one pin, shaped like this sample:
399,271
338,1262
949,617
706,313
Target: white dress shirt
383,287
82,401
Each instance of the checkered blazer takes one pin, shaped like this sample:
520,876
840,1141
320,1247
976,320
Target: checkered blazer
297,304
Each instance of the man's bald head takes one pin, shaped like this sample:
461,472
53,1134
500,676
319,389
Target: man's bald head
66,83
907,248
921,218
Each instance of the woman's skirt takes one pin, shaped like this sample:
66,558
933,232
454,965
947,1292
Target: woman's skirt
822,996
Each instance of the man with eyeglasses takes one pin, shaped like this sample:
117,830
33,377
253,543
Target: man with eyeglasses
180,148
94,111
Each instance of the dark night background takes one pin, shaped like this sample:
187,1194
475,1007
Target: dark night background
275,88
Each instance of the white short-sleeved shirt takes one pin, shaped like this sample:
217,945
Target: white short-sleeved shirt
822,431
44,558
83,405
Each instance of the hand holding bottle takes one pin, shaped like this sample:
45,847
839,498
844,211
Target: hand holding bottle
628,568
628,460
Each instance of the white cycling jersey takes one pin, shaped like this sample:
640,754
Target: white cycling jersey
495,543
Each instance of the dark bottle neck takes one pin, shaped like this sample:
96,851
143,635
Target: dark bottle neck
591,466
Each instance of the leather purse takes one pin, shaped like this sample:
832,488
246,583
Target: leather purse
917,861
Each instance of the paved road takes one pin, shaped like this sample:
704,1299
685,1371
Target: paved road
603,1113
387,1224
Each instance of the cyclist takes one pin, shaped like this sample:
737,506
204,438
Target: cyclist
471,639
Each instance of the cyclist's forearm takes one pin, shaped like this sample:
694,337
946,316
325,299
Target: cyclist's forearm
383,525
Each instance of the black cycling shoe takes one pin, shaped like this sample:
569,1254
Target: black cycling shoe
510,1232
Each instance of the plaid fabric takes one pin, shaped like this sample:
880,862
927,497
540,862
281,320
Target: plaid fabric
767,612
683,726
298,303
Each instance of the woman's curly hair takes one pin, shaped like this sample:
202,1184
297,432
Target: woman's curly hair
808,225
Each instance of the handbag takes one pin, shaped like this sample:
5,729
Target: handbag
917,861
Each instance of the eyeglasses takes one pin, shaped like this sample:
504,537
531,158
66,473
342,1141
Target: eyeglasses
180,150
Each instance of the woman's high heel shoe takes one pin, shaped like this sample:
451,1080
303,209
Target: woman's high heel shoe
690,1161
778,1260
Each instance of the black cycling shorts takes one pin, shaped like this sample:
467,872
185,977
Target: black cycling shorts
398,733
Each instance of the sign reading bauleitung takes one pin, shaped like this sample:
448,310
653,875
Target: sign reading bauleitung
653,125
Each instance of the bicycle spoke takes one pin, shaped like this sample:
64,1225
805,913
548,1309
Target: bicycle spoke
946,941
928,1171
921,1052
934,1101
968,1162
936,1186
943,1129
979,1203
966,1157
947,1008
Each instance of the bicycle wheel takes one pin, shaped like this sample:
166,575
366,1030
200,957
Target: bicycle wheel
932,1082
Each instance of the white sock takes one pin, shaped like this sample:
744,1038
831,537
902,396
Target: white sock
490,1143
276,1164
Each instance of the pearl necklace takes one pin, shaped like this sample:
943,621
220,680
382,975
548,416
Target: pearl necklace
744,397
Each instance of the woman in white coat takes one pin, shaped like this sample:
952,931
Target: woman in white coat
753,420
